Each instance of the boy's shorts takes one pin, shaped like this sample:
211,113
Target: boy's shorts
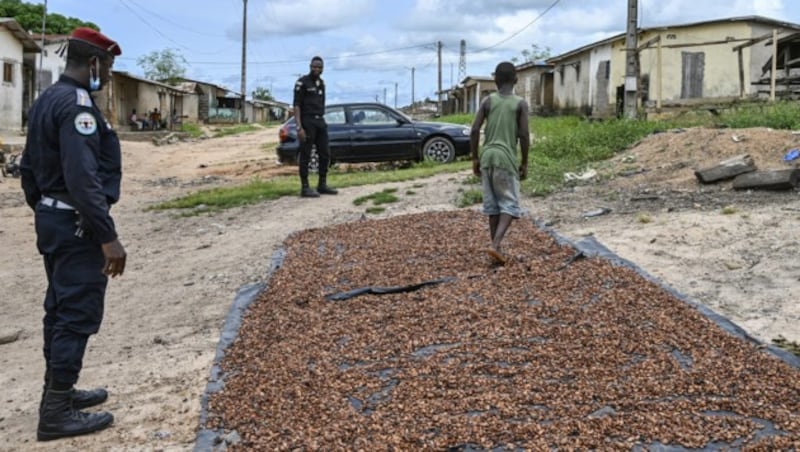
500,192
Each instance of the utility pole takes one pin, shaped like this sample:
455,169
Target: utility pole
395,94
244,62
439,102
631,57
41,54
384,96
412,89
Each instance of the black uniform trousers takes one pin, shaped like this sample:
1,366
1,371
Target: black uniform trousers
75,292
316,134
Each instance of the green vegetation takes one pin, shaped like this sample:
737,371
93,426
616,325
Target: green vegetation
192,129
375,209
166,66
262,190
790,346
382,197
781,115
729,210
233,130
560,145
470,197
29,16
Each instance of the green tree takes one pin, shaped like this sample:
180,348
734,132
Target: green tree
166,66
262,93
534,54
29,16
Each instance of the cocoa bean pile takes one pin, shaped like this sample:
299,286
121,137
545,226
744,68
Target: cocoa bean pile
546,352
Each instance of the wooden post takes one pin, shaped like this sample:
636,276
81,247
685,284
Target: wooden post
660,71
741,73
773,75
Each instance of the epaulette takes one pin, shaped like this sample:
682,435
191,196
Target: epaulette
83,98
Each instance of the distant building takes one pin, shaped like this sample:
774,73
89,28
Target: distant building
678,65
18,53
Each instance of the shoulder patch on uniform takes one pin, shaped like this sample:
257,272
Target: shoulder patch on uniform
85,123
83,99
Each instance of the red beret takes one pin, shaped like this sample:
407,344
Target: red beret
96,39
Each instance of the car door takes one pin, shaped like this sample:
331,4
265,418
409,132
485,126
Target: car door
338,132
378,134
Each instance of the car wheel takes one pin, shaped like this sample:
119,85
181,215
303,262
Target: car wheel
439,149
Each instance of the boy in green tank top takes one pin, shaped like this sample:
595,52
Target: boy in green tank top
506,117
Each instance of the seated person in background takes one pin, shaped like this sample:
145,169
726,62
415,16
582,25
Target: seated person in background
155,119
135,121
175,120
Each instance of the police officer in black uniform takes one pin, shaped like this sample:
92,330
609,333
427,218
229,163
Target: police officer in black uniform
309,116
71,172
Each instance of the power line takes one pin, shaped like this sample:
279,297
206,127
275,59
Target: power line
521,29
338,57
173,23
135,13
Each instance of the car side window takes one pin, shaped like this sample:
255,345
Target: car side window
372,117
335,116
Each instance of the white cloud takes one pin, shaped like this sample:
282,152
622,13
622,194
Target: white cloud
307,16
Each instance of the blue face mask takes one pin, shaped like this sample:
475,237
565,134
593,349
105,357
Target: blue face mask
94,77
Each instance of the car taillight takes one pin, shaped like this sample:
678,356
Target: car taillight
283,133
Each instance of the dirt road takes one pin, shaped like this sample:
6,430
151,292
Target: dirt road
163,317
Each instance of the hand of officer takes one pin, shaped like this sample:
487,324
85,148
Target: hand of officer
115,258
301,134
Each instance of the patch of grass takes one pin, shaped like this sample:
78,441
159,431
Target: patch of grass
192,129
233,130
729,210
461,118
410,192
471,180
570,144
780,115
790,346
375,209
259,190
470,197
382,197
644,218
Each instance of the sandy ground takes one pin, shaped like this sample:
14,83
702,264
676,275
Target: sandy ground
163,317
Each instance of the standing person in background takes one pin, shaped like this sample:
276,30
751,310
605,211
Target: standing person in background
309,116
506,117
71,173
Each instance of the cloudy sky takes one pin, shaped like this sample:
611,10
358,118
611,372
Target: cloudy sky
371,46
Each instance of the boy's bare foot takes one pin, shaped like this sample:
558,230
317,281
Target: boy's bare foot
496,256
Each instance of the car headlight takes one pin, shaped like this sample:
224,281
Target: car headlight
465,131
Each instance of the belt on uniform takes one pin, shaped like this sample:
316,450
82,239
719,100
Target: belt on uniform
54,203
313,116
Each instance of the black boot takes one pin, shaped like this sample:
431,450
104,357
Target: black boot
58,418
82,399
308,192
323,187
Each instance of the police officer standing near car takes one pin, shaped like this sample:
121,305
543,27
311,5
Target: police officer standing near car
309,114
71,173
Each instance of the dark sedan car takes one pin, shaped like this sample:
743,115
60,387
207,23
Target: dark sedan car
372,132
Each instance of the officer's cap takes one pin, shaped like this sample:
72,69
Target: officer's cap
96,39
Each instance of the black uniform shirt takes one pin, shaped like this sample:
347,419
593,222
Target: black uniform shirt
71,151
309,94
